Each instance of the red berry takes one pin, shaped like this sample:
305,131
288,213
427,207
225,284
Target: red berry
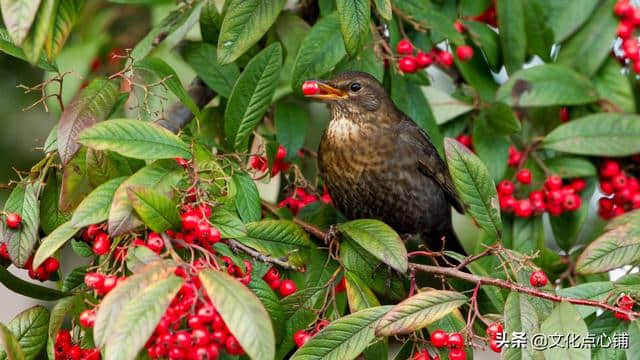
465,140
553,182
51,265
609,168
190,220
623,8
619,181
200,337
455,341
182,162
155,242
572,202
524,176
494,329
176,354
232,346
457,354
439,338
625,302
287,287
281,153
93,230
505,187
423,59
219,337
102,244
214,235
523,208
404,47
564,114
13,220
625,29
310,88
459,26
408,64
421,355
214,351
93,280
301,337
464,52
275,284
74,353
271,275
445,58
342,285
538,278
495,347
578,185
109,284
203,230
87,318
507,202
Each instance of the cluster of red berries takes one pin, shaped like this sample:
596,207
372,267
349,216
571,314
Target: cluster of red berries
65,349
283,287
196,229
260,163
454,341
555,197
538,279
191,328
622,189
625,302
629,20
99,240
302,198
493,331
234,270
408,63
41,273
100,283
301,337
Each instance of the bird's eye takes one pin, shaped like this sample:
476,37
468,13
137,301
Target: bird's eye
355,87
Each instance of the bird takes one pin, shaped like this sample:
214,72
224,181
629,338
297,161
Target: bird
378,163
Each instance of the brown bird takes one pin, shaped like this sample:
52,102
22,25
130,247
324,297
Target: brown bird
377,163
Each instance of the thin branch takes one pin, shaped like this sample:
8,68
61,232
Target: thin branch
311,229
264,258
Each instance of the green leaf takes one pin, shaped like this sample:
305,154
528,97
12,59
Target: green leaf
427,15
170,79
513,35
475,186
597,291
202,58
418,311
161,176
345,338
157,211
564,17
35,40
291,30
379,239
95,207
359,295
91,105
228,223
19,286
18,15
236,304
539,35
170,31
354,23
66,14
384,8
114,304
528,235
614,86
570,167
279,238
488,40
23,200
501,118
105,165
247,198
292,123
565,319
271,302
521,316
74,279
58,313
53,242
604,134
613,249
245,22
138,319
136,139
444,106
477,73
634,337
320,51
589,48
75,182
473,7
50,214
139,257
547,85
251,96
491,148
81,248
12,349
8,47
30,330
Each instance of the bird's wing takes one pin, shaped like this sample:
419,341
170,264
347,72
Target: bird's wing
430,164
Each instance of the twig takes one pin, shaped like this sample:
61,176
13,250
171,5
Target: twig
311,229
264,258
466,261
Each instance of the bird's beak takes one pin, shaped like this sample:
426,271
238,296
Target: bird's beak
322,91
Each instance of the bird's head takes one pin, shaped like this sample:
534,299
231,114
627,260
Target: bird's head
351,91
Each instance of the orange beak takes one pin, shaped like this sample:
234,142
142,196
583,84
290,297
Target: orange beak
322,91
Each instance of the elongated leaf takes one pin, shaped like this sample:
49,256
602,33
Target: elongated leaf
18,15
50,214
539,35
11,347
570,167
475,186
53,242
598,290
614,86
202,58
520,316
157,211
488,40
170,79
75,278
429,17
345,338
359,295
58,313
30,330
354,23
604,134
291,127
7,46
75,182
243,313
66,14
19,286
491,148
511,16
565,319
566,16
613,249
95,207
34,42
634,336
228,223
115,302
139,257
161,176
136,139
379,239
502,119
102,166
547,85
384,8
139,318
271,302
419,311
20,242
320,51
91,105
247,198
251,96
444,106
279,238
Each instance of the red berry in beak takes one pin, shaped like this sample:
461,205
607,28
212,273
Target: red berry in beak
310,88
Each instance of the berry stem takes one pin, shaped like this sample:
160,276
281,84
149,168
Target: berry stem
236,245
